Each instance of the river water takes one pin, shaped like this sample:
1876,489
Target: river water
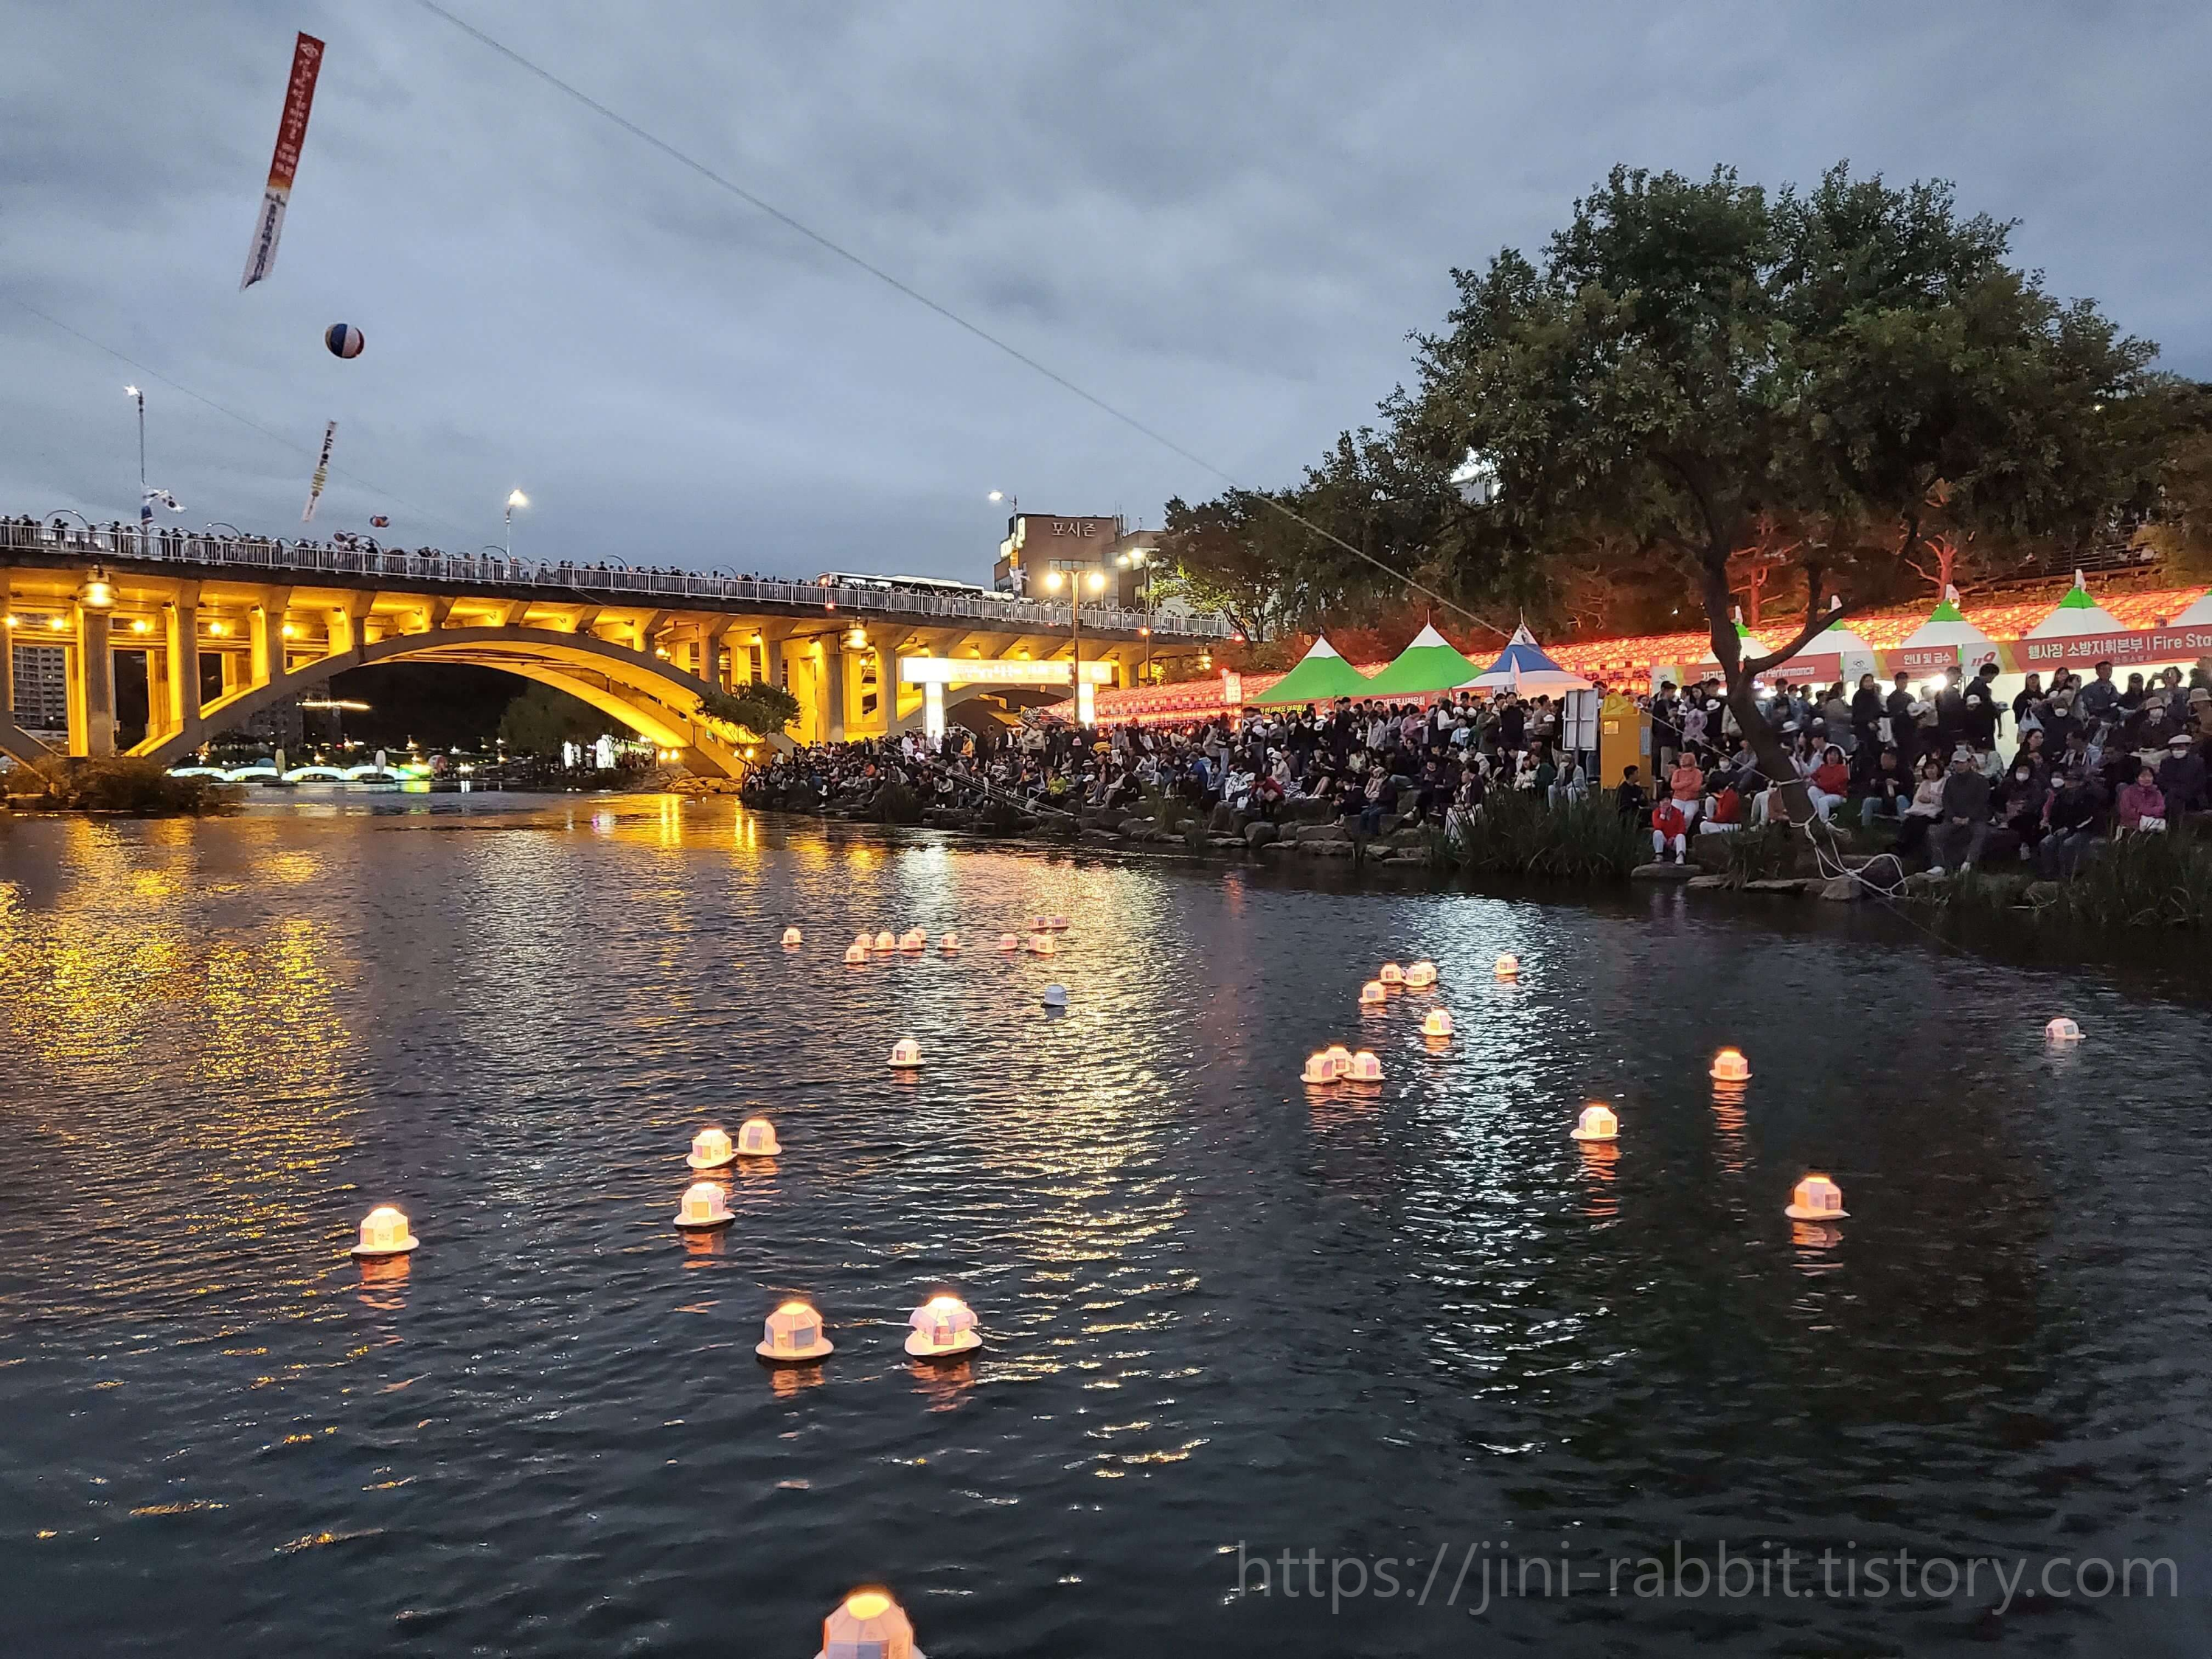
1226,1318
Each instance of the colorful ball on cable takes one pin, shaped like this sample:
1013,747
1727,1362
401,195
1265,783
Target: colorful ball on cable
384,1232
2063,1030
943,1325
710,1150
704,1206
343,340
868,1624
1597,1122
1816,1198
792,1333
756,1139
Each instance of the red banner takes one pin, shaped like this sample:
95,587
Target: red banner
2131,645
291,134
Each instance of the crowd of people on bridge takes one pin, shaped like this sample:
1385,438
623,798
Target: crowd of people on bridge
2063,768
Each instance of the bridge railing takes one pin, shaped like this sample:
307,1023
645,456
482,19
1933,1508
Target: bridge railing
599,581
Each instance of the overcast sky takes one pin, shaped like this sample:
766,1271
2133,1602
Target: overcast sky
1223,219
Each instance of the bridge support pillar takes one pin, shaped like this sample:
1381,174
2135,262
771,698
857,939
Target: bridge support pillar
836,670
91,693
181,621
6,656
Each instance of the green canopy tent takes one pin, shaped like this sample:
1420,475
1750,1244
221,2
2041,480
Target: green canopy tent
1428,665
1321,675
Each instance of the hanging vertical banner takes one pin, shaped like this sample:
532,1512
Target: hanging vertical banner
291,133
322,472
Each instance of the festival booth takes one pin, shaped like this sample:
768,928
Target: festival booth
1946,640
1524,668
1835,654
1321,677
1426,668
2081,633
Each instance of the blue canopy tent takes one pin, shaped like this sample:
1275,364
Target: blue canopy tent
1524,668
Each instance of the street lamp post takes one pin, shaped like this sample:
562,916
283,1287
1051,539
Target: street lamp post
145,501
515,499
1013,514
1062,571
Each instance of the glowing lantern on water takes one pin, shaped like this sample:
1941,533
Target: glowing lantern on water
868,1624
1043,945
2062,1030
756,1139
1816,1198
1509,965
384,1232
704,1206
856,955
863,940
1365,1068
1058,924
790,936
1597,1122
1372,995
906,1054
1340,1060
1055,996
950,944
1040,923
1010,941
886,940
914,940
942,1326
1318,1069
710,1150
1437,1023
1730,1067
1392,976
1420,975
793,1333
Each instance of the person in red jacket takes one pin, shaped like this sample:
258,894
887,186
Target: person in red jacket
1668,830
1829,782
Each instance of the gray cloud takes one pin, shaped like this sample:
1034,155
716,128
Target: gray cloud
1225,219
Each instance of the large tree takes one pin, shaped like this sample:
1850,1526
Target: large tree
1701,368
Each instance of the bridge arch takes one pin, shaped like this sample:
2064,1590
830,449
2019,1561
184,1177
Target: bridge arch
647,693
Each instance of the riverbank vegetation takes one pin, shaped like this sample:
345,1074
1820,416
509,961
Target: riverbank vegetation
122,784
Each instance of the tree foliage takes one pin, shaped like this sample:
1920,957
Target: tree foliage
762,708
541,718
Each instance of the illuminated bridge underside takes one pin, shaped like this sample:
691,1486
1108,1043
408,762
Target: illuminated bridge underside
220,645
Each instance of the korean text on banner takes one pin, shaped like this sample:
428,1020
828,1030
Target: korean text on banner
322,472
291,133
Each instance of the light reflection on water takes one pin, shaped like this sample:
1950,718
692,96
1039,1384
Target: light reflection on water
1218,1306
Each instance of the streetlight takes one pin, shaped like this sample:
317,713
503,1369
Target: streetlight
1013,511
145,500
1138,558
515,498
1052,580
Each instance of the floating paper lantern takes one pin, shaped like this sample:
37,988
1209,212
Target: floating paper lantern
1058,924
906,1054
1055,996
756,1139
792,1333
1319,1069
1597,1122
1043,945
1508,965
1340,1060
1365,1068
1437,1023
868,1624
2062,1030
856,955
886,940
1816,1199
790,936
1372,995
1420,975
1391,977
942,1326
1040,923
704,1206
710,1150
1730,1067
863,941
950,944
1010,941
384,1232
914,940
